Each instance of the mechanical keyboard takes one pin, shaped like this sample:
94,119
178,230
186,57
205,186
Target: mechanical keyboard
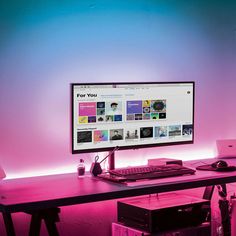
151,172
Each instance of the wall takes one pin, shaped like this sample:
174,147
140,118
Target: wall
46,45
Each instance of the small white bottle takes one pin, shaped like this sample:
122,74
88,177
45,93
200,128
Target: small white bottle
81,168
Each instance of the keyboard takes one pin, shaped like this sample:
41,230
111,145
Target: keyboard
151,172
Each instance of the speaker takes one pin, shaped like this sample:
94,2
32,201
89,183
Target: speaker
96,169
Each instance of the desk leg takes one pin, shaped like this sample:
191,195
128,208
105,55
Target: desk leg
51,227
224,210
50,217
223,205
208,192
8,224
35,224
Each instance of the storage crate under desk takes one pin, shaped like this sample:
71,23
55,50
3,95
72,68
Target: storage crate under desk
204,229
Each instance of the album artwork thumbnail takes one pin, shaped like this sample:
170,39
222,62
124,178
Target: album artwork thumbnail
154,116
101,105
174,130
84,136
130,117
114,108
146,116
91,119
87,108
100,118
138,116
131,134
100,135
147,103
83,119
101,111
109,118
116,134
162,115
146,132
117,117
134,107
161,131
158,106
146,109
187,130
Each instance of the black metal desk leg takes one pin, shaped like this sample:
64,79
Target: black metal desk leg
208,192
223,205
8,224
50,217
51,227
35,224
224,209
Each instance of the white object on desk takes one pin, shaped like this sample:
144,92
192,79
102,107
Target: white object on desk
2,173
226,148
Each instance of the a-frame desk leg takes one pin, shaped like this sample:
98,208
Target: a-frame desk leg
50,217
223,205
8,224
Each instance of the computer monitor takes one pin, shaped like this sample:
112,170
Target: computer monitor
108,116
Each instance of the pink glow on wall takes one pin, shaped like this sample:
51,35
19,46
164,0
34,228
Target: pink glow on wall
47,50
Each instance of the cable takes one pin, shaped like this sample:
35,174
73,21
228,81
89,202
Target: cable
96,166
110,153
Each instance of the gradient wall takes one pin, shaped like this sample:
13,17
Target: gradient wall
46,45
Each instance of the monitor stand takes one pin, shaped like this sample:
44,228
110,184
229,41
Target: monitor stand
111,160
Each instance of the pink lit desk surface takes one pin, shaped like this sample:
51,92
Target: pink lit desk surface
67,189
37,193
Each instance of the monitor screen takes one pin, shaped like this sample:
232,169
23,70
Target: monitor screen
131,115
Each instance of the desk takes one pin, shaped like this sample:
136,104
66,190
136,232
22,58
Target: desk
39,194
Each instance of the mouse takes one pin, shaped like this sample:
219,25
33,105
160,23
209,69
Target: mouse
219,164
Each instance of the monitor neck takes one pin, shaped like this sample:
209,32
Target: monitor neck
111,160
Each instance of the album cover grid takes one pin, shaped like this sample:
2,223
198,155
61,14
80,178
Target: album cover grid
142,133
99,112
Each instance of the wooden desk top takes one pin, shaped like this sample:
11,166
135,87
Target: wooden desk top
67,189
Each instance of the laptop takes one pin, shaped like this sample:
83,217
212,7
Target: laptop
226,148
